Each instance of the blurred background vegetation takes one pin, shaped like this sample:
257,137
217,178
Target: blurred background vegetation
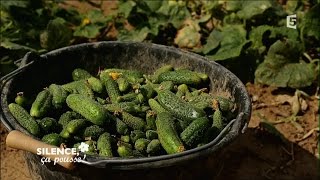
248,37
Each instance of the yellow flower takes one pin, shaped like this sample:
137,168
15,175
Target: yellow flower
85,21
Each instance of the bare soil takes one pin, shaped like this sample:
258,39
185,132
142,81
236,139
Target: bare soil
257,154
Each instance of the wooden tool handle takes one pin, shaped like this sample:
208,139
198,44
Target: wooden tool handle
18,140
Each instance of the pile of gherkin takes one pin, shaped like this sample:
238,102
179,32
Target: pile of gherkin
125,113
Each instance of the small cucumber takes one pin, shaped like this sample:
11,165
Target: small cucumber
205,100
178,107
204,77
166,85
42,104
101,100
147,91
121,127
92,147
144,108
65,134
136,153
151,134
66,117
133,122
168,136
139,99
158,72
123,84
125,138
75,125
52,139
93,132
48,125
141,144
155,106
111,87
181,125
59,95
88,108
127,97
22,100
124,150
151,120
195,131
181,77
225,104
79,87
217,116
131,75
154,147
24,118
104,145
95,84
136,134
182,89
80,74
129,107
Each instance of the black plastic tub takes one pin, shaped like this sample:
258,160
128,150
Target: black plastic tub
56,67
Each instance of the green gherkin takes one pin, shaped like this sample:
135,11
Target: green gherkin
104,145
24,118
42,104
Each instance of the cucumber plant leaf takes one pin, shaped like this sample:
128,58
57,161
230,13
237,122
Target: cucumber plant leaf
264,33
311,22
92,23
137,35
234,38
176,12
282,67
89,31
252,8
213,41
57,34
125,8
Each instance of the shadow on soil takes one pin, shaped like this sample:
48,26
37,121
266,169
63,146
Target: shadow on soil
254,155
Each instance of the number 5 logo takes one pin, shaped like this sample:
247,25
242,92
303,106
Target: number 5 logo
292,21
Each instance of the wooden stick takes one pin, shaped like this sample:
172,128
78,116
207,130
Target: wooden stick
18,140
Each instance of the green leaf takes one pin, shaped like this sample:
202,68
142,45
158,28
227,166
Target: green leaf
232,5
125,8
232,18
137,35
156,22
282,68
252,8
153,5
294,75
283,31
5,43
234,38
213,41
96,16
311,22
256,37
176,12
282,52
57,34
258,34
88,31
7,4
